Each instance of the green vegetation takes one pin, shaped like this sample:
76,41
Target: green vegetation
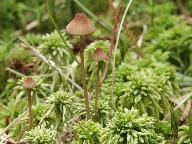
62,55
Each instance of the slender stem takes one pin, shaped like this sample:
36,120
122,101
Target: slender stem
152,5
7,123
181,7
174,126
107,64
30,108
190,126
83,73
112,41
97,91
117,42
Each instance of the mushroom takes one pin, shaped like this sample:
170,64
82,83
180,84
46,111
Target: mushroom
29,84
82,26
98,56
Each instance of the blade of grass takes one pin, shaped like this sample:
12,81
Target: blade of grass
185,98
117,42
112,44
174,126
184,80
51,64
13,123
15,72
46,114
58,31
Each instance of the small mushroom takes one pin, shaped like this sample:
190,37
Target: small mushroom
82,26
98,56
29,84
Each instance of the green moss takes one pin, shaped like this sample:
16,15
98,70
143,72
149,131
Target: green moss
87,132
41,135
129,127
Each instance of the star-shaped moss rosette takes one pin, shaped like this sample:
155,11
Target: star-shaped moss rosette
65,105
176,41
143,81
41,134
53,48
104,111
87,132
129,127
184,135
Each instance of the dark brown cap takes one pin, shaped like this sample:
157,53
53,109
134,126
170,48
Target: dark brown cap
28,83
80,25
98,55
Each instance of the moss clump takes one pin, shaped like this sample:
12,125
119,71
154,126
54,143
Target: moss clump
130,128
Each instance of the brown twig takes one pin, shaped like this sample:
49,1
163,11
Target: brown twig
7,123
112,45
181,7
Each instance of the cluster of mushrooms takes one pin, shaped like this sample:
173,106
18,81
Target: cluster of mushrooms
82,26
79,26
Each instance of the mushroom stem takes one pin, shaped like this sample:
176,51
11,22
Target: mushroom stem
97,92
30,108
83,73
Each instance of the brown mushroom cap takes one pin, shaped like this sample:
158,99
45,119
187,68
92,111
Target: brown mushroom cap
80,25
28,83
98,55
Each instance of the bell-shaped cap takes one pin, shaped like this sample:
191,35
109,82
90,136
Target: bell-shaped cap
28,83
80,26
98,55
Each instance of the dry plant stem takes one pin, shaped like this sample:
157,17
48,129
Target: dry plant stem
112,45
30,108
97,91
181,7
83,73
7,123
